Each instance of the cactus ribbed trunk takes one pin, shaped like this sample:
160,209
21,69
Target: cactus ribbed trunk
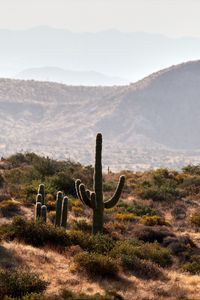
98,188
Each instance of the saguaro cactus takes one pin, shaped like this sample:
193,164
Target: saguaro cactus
94,199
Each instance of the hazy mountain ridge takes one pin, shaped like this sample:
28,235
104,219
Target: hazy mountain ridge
114,53
55,74
152,122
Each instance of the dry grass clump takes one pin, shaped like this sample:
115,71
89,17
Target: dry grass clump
153,221
150,251
195,219
95,264
126,217
193,266
17,283
151,234
9,208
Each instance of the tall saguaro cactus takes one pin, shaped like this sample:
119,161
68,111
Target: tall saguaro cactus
95,199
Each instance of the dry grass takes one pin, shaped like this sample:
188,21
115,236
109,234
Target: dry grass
58,270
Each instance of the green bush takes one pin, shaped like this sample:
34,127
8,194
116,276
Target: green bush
9,208
161,186
17,283
96,264
141,268
37,234
141,210
98,243
193,266
148,251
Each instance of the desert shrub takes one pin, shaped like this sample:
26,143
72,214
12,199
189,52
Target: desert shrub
148,251
126,217
37,234
67,294
82,224
141,268
195,219
17,159
193,266
52,216
161,186
51,205
141,210
63,181
179,212
77,210
151,234
153,220
192,169
9,208
179,246
98,243
155,253
17,283
96,264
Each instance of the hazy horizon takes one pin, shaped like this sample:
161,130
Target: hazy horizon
151,16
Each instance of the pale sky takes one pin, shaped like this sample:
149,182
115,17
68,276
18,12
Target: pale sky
168,17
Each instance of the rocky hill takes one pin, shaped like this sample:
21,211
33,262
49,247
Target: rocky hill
149,123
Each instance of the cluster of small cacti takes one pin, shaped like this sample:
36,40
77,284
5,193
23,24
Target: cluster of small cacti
95,200
61,208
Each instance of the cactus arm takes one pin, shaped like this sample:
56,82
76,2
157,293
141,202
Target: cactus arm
77,185
84,195
113,201
88,193
41,190
39,198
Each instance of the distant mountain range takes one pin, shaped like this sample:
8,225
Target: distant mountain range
55,74
153,122
112,53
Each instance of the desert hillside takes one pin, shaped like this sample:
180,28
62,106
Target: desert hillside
149,247
149,123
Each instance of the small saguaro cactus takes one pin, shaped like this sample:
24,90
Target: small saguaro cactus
61,210
59,199
94,199
64,212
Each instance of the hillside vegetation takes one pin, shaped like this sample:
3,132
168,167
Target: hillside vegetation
149,249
